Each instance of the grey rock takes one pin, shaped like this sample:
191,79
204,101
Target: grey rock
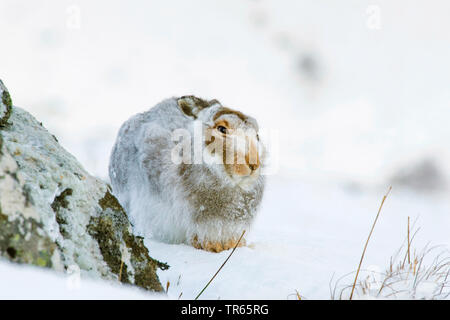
55,214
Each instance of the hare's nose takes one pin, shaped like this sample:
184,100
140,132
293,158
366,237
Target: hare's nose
252,158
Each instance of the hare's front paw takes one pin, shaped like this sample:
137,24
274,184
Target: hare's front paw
216,246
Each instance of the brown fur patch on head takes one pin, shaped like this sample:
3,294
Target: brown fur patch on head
243,164
192,105
186,108
200,103
238,167
213,101
252,157
225,110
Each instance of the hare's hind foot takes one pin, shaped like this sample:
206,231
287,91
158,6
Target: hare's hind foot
216,246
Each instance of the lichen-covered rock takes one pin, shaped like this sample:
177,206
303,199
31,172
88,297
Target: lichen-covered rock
5,105
54,214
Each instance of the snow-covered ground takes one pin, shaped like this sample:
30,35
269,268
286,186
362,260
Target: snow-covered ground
357,90
28,282
304,236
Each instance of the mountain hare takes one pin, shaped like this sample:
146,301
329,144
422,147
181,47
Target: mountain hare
205,197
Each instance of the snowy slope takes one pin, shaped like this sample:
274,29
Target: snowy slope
303,237
27,282
352,103
301,247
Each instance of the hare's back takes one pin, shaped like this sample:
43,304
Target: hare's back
143,147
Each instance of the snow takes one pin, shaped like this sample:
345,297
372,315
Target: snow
304,237
301,247
27,282
372,100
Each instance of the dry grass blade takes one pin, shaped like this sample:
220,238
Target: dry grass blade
426,276
367,241
217,272
409,246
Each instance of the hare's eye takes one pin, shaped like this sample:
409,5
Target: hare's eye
222,129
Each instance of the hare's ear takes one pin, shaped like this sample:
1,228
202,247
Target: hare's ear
191,105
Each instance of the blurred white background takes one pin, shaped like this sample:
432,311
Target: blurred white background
358,90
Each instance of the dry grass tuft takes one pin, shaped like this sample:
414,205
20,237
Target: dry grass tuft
410,274
367,242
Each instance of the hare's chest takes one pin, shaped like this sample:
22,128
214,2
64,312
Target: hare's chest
224,204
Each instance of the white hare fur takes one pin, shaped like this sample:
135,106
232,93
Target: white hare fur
207,205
